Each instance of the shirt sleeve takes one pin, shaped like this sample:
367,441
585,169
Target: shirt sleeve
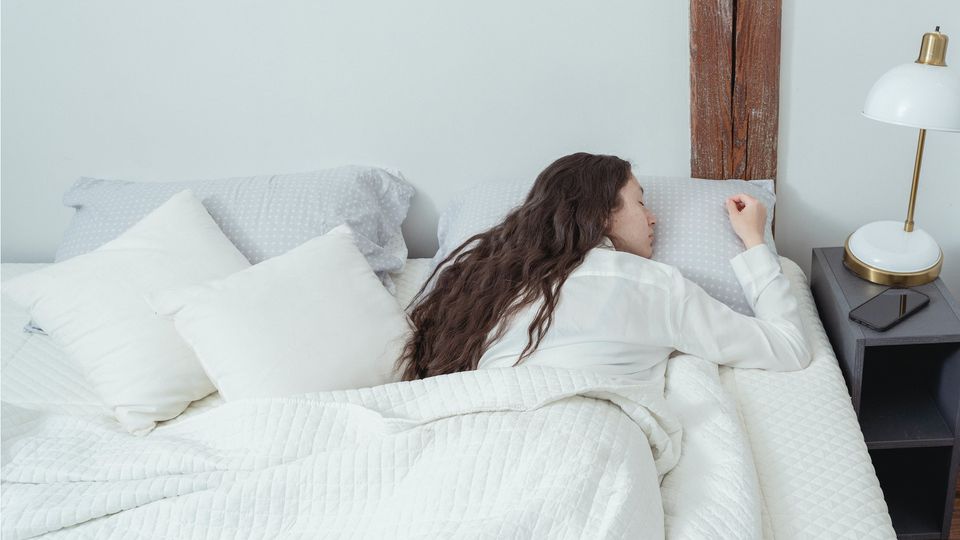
773,339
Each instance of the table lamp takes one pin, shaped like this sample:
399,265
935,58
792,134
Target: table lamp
924,94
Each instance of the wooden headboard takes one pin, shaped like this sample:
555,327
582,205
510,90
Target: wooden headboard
734,88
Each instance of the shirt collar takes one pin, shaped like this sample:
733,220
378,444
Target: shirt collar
606,243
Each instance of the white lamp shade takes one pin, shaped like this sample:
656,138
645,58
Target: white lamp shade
917,95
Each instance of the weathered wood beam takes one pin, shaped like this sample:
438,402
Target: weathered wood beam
734,88
711,77
756,89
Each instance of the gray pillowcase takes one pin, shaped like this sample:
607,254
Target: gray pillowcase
264,216
693,232
474,211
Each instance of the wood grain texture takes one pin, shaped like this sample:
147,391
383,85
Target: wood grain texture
955,527
756,89
711,58
734,88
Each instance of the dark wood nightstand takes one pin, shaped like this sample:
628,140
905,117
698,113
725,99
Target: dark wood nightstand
905,387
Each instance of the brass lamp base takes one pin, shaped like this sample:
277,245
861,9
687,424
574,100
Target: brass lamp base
886,277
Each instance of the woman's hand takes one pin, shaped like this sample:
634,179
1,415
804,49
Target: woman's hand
748,217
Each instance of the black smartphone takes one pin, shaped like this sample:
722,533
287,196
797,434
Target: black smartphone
886,309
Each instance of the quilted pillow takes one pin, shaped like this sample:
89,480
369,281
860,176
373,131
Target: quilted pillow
693,232
313,319
264,216
93,307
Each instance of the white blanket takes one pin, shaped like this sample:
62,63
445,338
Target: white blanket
519,452
714,491
816,479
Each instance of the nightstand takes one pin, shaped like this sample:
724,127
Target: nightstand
905,387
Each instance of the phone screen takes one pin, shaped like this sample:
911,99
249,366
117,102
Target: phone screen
888,307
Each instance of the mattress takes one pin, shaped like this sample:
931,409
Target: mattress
813,471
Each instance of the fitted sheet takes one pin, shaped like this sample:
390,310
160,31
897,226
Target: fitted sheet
814,474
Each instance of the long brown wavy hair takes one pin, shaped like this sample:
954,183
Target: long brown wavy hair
489,278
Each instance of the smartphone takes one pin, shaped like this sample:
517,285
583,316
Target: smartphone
888,308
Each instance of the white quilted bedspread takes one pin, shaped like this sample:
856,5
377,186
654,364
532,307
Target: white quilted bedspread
714,491
777,455
806,453
517,453
816,476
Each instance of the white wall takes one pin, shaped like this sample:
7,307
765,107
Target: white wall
839,170
451,93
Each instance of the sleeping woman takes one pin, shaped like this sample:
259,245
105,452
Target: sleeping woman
566,280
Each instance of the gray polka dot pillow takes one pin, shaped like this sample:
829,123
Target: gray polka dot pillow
264,216
693,230
476,210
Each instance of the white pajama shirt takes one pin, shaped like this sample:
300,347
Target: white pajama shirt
624,315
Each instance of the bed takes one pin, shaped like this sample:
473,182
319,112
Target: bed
763,454
771,455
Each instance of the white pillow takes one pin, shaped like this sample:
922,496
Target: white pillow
93,306
313,319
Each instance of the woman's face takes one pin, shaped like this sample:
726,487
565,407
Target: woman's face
631,226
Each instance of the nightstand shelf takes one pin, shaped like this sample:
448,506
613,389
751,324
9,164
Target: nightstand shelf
914,486
899,406
904,421
905,388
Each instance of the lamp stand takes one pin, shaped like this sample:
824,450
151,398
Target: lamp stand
884,252
908,225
